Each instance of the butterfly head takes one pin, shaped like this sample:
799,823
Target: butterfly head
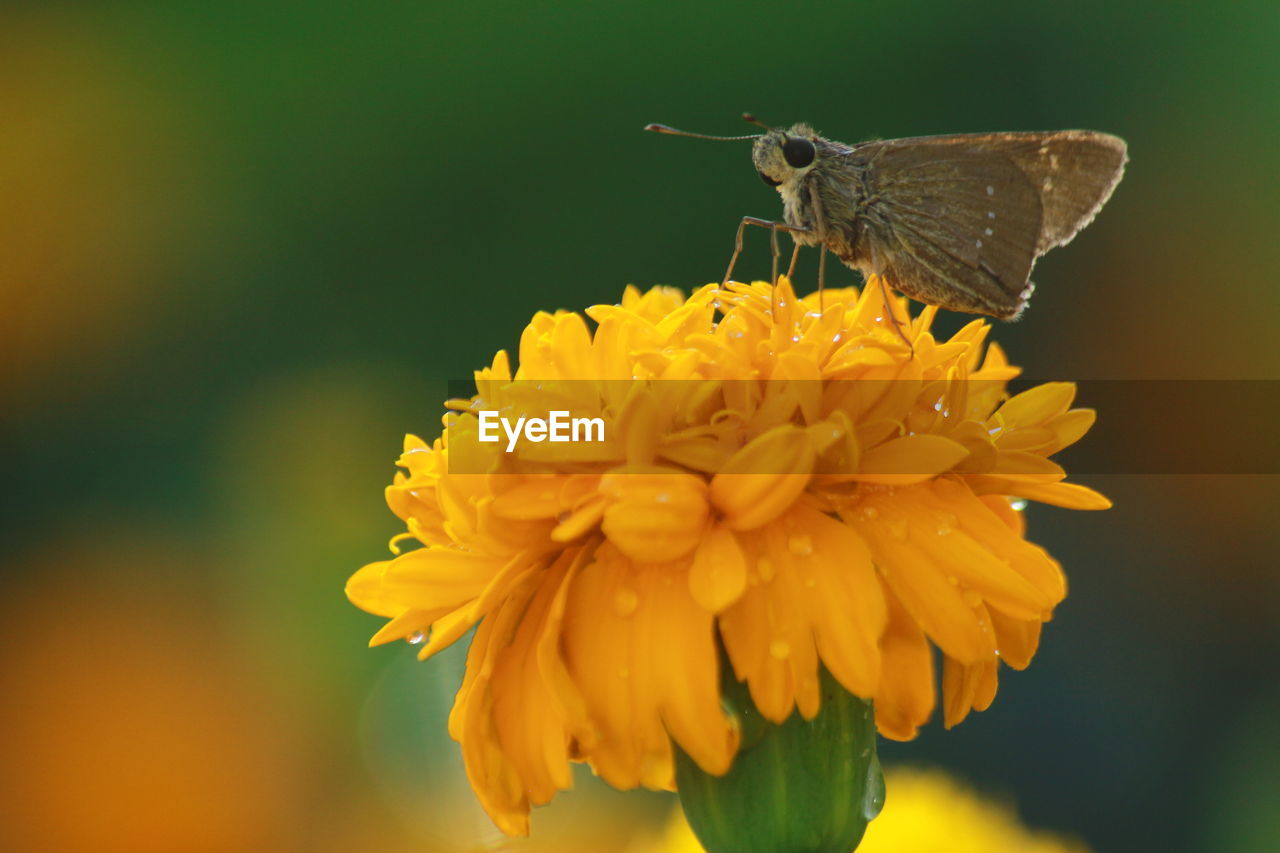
785,156
782,157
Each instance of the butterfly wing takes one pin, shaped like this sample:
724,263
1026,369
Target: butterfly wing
958,221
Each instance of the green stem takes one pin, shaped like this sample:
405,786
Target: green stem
805,786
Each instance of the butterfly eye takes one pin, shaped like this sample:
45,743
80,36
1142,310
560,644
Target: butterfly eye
799,152
768,180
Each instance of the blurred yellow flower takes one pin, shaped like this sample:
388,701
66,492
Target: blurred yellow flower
813,490
925,812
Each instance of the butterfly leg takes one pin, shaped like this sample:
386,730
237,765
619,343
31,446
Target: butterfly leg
773,248
888,309
822,271
775,227
791,268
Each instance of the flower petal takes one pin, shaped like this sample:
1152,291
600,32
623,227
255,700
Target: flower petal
834,577
764,479
909,460
1039,404
905,696
885,521
655,517
643,655
719,571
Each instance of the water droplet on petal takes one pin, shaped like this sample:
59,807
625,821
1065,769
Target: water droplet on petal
800,545
416,637
1019,505
625,602
764,567
662,497
898,527
780,649
869,513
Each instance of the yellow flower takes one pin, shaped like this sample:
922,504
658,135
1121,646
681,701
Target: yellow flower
810,490
926,812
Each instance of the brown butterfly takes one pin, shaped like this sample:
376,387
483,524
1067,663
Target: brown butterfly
954,221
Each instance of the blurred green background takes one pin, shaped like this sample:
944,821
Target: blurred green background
244,245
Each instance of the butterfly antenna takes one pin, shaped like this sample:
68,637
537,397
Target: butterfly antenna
662,128
751,119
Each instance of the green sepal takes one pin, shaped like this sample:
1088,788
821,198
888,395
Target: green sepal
805,786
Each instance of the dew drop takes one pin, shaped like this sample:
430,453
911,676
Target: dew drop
1018,505
662,497
780,649
898,527
800,545
795,339
625,602
873,792
869,513
764,566
416,637
937,407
